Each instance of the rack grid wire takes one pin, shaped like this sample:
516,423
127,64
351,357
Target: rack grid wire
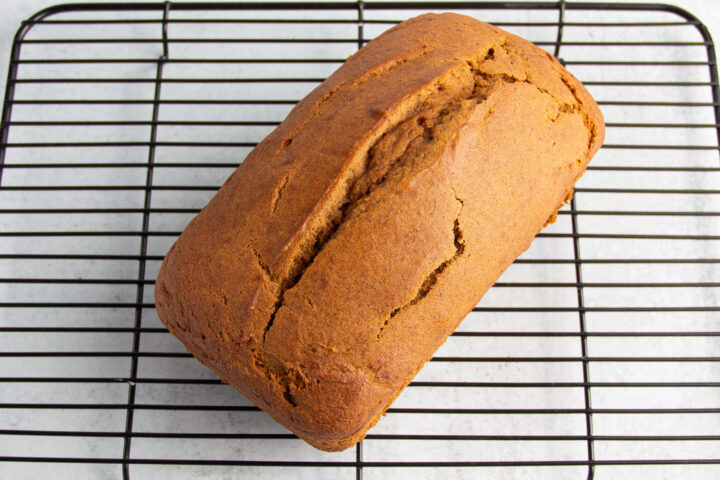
596,355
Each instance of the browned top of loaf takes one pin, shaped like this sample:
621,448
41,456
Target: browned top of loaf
292,284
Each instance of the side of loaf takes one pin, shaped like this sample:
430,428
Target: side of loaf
354,239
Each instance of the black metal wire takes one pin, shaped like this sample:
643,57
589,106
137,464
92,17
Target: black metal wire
587,397
146,256
336,464
128,435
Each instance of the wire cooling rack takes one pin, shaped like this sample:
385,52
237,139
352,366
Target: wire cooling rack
595,355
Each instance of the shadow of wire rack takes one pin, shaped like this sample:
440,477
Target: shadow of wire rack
595,355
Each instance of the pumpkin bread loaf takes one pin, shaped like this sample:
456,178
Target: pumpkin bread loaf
353,239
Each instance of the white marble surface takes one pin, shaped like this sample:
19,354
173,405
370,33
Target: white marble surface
218,421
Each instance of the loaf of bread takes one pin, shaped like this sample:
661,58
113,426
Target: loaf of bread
354,239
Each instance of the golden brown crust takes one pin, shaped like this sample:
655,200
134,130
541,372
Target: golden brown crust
354,239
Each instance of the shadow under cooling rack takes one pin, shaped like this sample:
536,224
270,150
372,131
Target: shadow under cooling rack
596,354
